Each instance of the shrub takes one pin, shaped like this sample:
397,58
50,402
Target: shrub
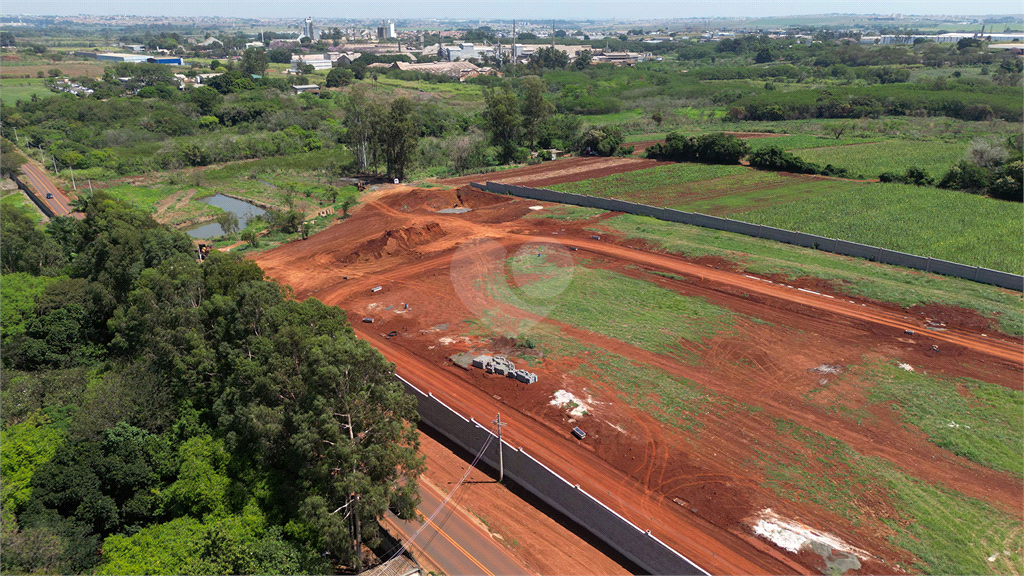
715,148
1009,185
775,158
913,175
603,141
966,176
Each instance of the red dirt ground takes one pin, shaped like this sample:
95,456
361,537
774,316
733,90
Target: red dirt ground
694,491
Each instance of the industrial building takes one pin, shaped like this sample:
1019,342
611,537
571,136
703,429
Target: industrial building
952,37
308,31
317,61
386,30
137,58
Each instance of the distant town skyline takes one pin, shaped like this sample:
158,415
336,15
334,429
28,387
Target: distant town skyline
524,9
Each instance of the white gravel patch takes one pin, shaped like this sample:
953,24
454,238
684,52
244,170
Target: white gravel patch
792,535
565,399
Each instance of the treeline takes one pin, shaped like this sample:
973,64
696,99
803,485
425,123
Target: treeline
870,74
166,416
958,99
234,118
831,52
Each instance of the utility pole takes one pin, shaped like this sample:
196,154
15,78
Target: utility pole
355,510
54,158
16,139
75,186
90,186
501,460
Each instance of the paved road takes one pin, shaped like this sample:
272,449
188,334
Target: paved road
60,204
454,543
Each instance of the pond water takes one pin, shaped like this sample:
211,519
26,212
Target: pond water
243,210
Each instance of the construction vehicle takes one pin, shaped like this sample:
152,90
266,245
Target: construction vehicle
361,186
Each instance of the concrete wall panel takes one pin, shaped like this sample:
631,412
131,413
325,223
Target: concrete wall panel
625,537
858,250
1002,279
777,234
1010,281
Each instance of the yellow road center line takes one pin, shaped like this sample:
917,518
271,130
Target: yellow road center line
456,544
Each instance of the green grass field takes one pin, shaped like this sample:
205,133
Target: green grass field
566,212
977,420
144,197
460,91
708,189
660,177
613,118
15,200
933,156
647,316
948,532
943,224
853,275
14,89
803,141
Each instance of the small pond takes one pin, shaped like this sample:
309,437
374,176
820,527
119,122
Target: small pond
243,210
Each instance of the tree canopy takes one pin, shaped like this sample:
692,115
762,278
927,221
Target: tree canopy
221,426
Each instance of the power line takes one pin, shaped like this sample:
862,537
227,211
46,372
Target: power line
443,505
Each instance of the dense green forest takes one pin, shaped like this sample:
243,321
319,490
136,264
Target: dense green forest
166,416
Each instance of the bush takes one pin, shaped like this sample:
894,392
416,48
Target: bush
1009,185
966,176
777,159
913,175
715,148
603,141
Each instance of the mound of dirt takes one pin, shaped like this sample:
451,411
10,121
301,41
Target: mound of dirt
391,242
436,199
471,197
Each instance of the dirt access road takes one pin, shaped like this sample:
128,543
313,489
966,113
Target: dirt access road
696,493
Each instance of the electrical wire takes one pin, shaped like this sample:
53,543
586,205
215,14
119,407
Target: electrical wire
444,504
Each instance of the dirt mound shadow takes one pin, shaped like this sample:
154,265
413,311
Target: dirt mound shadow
396,241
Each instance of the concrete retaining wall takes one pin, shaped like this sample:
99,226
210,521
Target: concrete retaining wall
622,535
35,199
874,253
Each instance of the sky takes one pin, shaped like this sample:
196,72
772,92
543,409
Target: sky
506,9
